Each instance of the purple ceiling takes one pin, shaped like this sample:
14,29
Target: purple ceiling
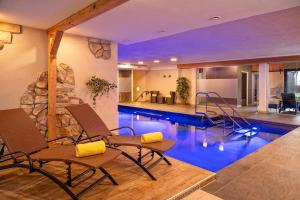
272,34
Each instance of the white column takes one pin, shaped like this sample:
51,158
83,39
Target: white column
263,87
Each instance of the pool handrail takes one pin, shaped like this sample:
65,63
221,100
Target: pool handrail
234,111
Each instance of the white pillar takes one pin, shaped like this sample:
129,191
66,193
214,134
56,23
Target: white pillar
263,87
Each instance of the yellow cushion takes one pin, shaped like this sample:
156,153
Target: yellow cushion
90,148
152,137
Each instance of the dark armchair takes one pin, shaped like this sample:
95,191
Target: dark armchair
171,99
153,96
288,102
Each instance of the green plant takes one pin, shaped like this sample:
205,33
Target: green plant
183,87
99,86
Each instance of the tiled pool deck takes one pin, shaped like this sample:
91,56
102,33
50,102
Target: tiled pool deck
271,172
180,178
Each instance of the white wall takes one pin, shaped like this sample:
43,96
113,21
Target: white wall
74,52
20,64
276,81
227,88
162,80
22,61
124,82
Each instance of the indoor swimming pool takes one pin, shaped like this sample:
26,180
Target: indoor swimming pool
209,148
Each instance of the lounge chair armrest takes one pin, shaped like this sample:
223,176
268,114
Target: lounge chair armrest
64,137
125,127
11,155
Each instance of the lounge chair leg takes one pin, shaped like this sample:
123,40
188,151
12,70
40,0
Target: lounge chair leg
45,173
40,164
58,182
109,176
140,155
140,165
69,174
162,156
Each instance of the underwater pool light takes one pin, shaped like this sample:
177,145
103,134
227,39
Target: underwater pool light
167,118
221,147
251,133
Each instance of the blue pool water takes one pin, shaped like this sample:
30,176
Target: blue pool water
208,149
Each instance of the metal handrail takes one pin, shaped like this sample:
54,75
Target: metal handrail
224,112
229,106
207,95
141,95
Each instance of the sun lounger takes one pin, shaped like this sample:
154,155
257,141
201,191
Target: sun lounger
28,149
94,128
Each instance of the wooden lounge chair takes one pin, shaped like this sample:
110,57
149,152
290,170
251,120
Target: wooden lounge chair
28,149
94,128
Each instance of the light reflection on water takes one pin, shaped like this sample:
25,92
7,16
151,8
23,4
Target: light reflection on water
208,149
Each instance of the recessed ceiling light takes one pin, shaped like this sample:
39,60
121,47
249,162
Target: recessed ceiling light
215,18
173,59
140,62
156,61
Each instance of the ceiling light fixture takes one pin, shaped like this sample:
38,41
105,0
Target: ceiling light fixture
125,66
173,59
156,61
140,62
215,18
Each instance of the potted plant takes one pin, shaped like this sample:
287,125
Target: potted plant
99,86
183,87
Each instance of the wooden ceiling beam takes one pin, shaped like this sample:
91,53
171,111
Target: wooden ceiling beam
55,34
94,9
55,43
241,62
8,27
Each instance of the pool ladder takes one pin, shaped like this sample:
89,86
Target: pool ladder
232,121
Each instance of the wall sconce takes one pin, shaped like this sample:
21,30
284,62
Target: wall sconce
138,89
6,37
6,31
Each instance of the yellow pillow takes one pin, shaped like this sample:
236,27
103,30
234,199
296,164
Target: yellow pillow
90,148
152,137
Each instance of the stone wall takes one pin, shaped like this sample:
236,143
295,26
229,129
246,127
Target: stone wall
100,48
35,101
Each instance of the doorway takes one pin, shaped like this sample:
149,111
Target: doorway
244,88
